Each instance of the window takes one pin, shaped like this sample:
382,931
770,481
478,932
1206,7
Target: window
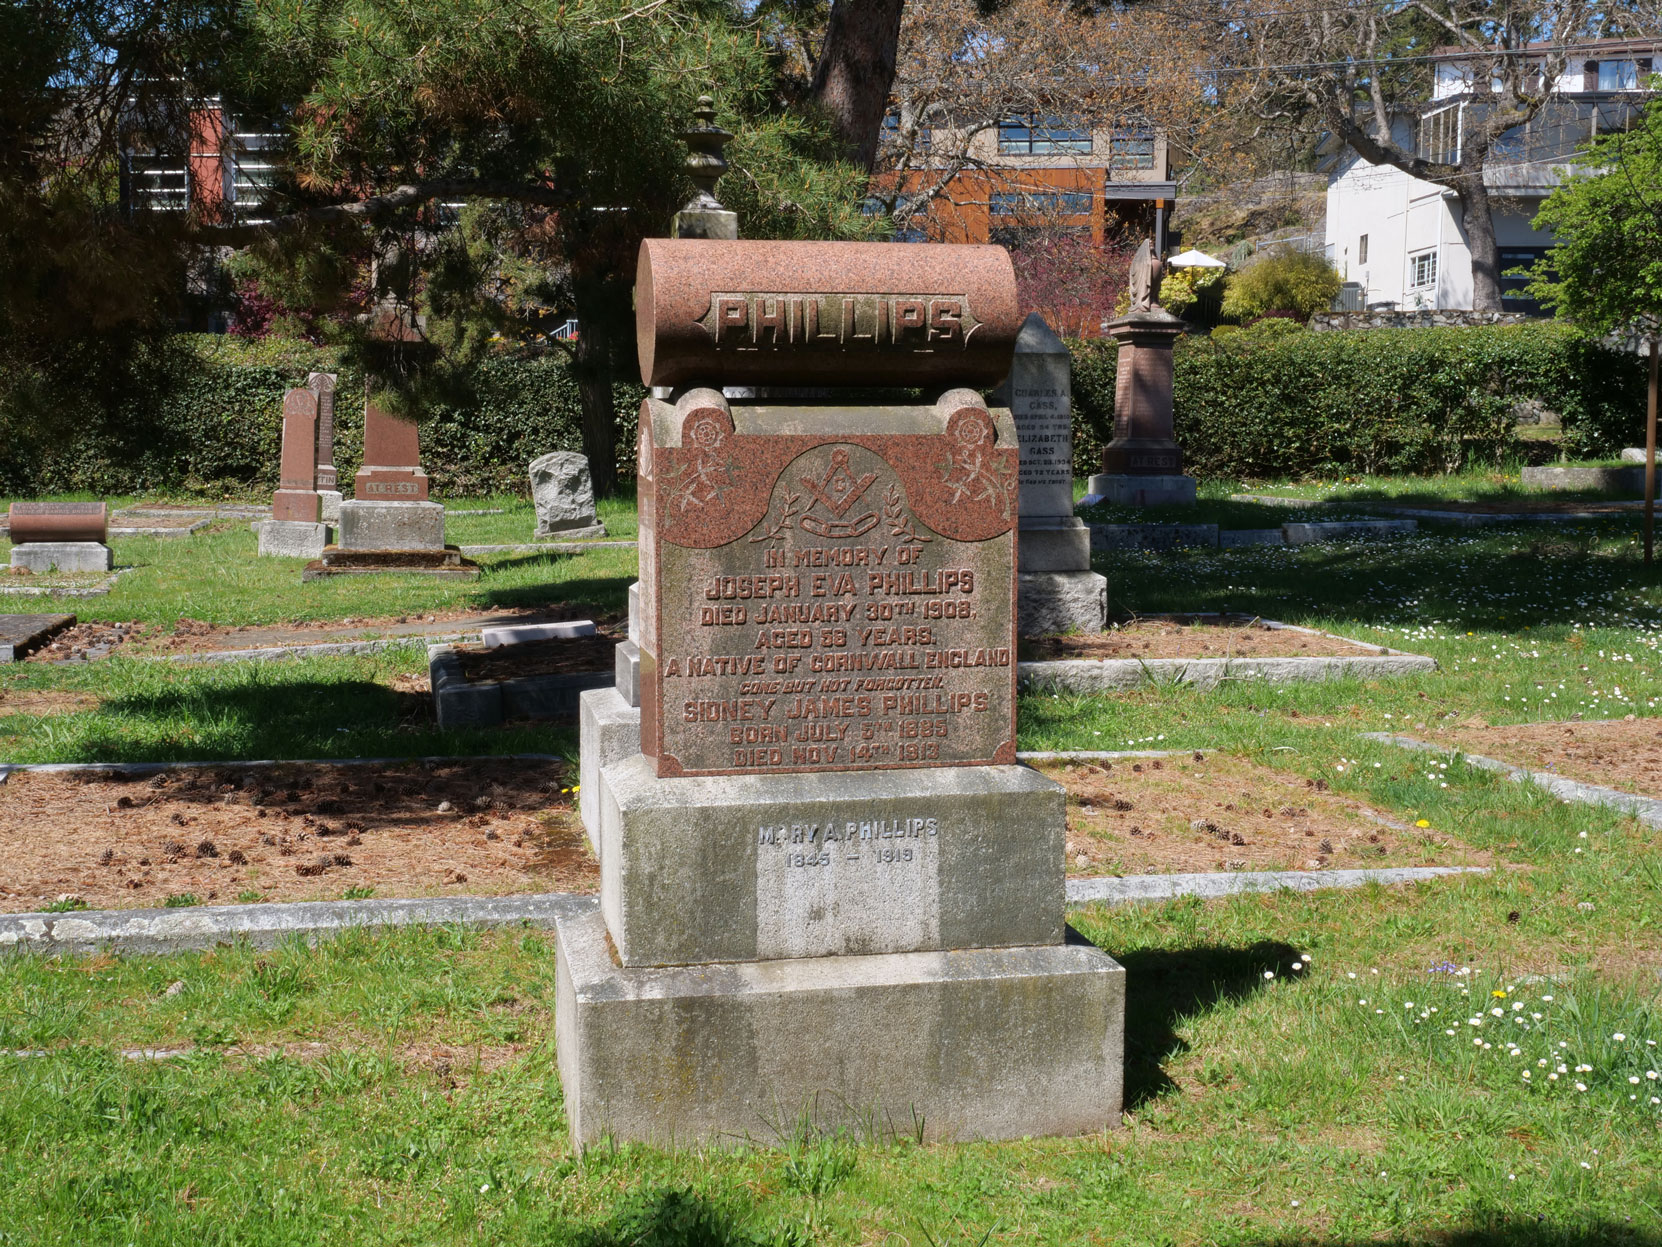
1512,295
1042,136
1043,203
157,183
1362,250
256,150
1422,270
891,134
1618,75
1016,237
1131,149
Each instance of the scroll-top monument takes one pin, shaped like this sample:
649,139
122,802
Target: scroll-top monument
825,827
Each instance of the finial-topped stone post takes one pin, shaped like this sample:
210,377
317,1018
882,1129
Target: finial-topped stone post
703,216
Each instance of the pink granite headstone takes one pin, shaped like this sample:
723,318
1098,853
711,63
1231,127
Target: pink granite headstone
391,470
323,385
296,498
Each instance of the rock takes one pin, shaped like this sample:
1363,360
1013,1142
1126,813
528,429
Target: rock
564,496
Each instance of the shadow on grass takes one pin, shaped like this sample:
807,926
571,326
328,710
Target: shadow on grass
1471,581
676,1218
302,718
1166,987
1499,1232
610,593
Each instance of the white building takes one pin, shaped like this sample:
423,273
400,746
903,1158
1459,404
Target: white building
1401,241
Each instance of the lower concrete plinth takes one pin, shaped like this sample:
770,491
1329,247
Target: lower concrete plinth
1052,602
1060,544
608,731
329,501
391,525
958,1045
811,864
63,556
1126,490
627,672
292,538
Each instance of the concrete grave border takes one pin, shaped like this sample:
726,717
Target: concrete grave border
462,703
9,649
181,530
1161,537
1648,810
47,591
1101,675
158,931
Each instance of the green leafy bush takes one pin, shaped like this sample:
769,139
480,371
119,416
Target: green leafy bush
1274,400
1290,281
203,415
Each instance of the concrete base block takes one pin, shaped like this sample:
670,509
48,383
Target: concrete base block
1625,480
959,1045
1152,536
570,534
549,696
1143,491
748,867
519,634
330,500
391,525
1347,530
292,539
628,672
1063,545
1635,454
1051,602
63,556
608,731
458,703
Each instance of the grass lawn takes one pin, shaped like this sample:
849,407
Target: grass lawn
216,576
1477,484
400,1087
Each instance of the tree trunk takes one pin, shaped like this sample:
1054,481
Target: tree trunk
855,71
1480,240
593,369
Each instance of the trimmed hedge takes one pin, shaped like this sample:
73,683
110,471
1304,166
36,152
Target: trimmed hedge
1278,400
203,414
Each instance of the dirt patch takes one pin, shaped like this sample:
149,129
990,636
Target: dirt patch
85,641
555,657
1217,812
195,636
292,833
1226,637
44,703
123,519
315,832
1618,753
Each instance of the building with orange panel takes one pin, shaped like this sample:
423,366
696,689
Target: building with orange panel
1027,175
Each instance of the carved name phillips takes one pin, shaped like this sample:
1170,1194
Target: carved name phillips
823,313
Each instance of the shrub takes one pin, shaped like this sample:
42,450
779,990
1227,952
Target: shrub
1273,399
202,414
1292,282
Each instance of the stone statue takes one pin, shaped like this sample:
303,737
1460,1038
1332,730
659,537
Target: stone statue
1146,271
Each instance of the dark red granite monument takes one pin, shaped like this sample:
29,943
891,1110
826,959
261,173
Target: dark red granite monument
826,828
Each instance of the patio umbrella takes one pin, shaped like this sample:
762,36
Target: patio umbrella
1194,259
